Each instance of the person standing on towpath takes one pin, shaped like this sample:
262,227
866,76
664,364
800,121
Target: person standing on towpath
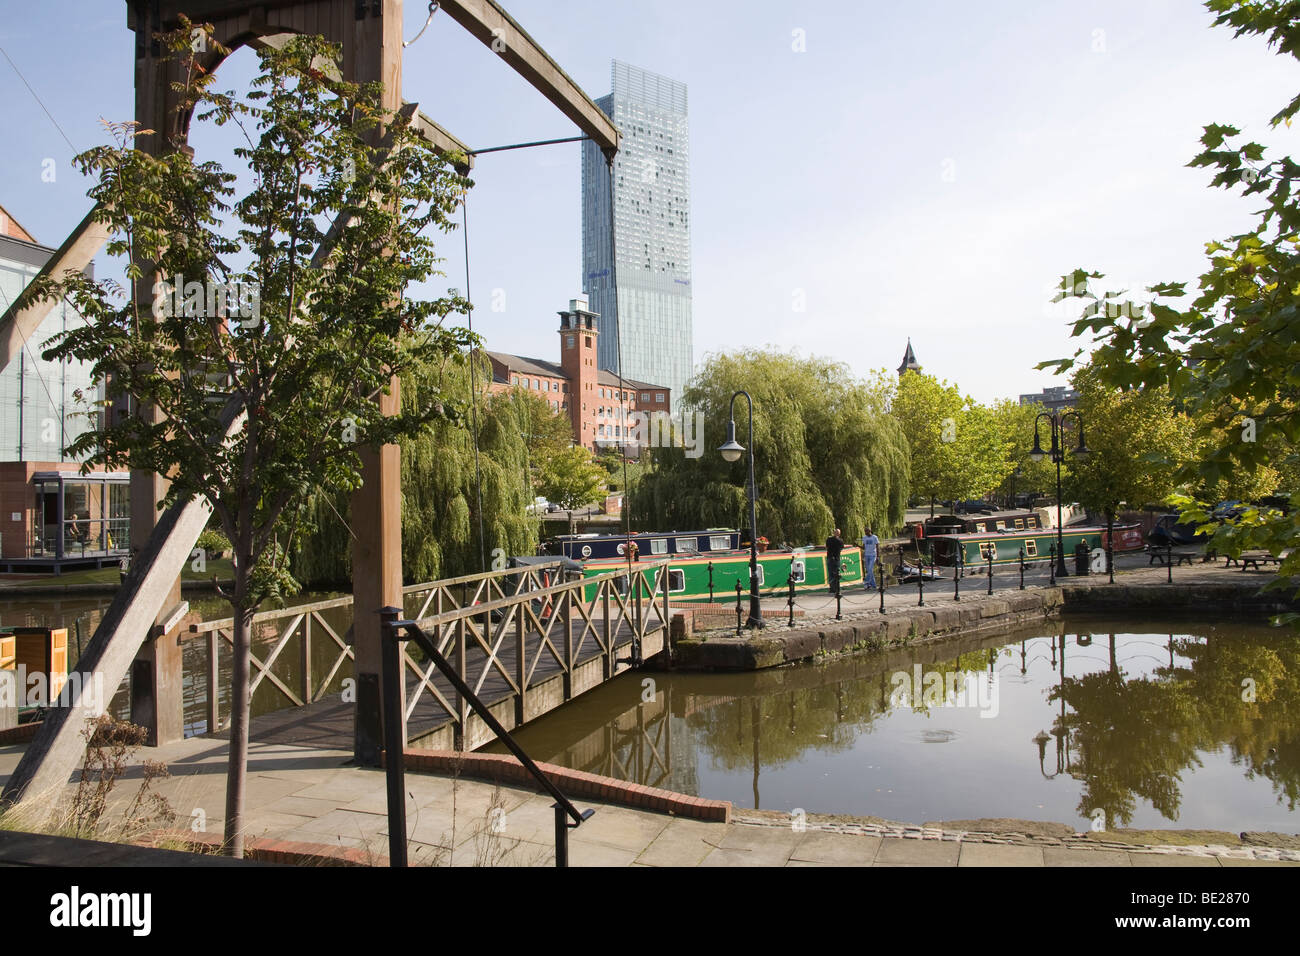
870,545
834,545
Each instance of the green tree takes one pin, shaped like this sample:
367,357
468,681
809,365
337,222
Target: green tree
1015,426
571,478
958,448
826,453
1136,441
1231,357
308,350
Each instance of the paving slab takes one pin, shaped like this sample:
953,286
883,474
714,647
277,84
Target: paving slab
895,851
835,849
683,843
993,854
1062,856
1170,859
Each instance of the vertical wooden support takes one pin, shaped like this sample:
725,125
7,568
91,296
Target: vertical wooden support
567,598
306,659
668,631
376,55
462,705
521,665
214,682
610,636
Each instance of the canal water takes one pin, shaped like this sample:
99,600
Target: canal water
1090,723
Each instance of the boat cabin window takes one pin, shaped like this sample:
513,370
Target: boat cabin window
658,545
719,542
977,526
1031,548
586,550
797,571
999,526
686,545
1020,524
676,580
988,549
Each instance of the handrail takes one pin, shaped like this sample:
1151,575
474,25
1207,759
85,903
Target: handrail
395,745
523,597
261,617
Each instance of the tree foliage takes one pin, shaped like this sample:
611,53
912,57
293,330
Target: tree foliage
1231,356
826,453
1137,441
304,348
440,515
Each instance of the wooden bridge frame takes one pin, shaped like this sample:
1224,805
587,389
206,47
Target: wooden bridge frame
369,33
516,618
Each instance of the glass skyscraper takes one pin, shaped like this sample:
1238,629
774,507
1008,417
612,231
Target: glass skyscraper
653,229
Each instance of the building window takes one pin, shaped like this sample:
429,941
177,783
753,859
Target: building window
645,396
659,397
568,341
588,340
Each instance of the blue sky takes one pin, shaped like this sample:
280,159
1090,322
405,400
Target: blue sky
916,169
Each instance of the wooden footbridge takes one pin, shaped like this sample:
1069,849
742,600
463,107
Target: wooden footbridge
525,640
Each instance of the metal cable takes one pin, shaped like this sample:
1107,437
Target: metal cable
473,382
433,8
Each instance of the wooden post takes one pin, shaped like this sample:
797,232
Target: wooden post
521,663
214,678
376,55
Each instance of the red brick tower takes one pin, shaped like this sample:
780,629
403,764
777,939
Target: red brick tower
578,359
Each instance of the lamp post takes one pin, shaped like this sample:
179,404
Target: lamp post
731,450
1057,421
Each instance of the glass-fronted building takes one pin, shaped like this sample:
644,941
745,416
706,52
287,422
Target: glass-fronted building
51,515
652,329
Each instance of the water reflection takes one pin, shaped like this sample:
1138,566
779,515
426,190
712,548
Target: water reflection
1197,728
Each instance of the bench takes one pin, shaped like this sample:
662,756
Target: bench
1253,559
1164,556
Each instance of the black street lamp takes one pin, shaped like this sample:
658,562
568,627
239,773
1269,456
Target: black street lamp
731,450
1057,452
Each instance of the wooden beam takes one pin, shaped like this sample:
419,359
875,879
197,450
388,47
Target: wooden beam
496,29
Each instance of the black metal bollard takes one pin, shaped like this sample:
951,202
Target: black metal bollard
710,582
991,569
1110,556
790,600
880,581
1051,564
838,615
394,745
956,580
1022,568
920,582
1169,561
739,629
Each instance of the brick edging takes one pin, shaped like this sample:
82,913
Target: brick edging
21,734
269,850
505,769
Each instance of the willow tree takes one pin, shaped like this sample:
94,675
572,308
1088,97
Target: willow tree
440,485
302,348
826,454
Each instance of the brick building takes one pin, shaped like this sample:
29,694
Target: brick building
599,407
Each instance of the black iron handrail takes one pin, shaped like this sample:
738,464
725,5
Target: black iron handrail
395,745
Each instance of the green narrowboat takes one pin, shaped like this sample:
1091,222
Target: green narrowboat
973,550
699,578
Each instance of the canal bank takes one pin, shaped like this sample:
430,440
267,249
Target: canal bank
934,614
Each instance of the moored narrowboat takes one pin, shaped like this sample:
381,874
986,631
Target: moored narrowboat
1009,547
713,577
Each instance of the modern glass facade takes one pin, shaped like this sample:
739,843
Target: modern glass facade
39,411
652,330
